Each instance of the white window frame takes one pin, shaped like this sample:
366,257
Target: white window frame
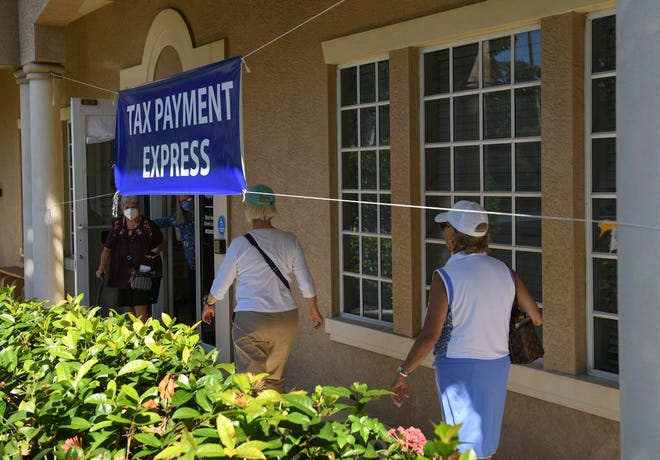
340,231
589,197
481,142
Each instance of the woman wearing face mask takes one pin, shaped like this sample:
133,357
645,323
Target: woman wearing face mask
184,220
133,244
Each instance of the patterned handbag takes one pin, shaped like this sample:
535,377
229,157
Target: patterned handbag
524,344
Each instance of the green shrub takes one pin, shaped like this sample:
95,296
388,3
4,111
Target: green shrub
76,385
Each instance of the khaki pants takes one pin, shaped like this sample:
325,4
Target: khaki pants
262,342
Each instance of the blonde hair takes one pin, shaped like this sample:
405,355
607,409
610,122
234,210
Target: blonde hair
259,212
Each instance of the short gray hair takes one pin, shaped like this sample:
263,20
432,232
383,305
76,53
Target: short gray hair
129,199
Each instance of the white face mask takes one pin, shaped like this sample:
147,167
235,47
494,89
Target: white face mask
131,213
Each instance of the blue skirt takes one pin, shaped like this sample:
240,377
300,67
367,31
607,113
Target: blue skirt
473,392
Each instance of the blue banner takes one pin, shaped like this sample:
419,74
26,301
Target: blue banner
182,135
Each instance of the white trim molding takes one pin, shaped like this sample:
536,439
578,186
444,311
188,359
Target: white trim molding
584,394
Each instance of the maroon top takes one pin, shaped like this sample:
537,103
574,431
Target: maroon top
141,241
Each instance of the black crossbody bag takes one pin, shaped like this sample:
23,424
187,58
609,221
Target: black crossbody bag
268,260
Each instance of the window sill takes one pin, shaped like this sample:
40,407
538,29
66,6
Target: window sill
583,393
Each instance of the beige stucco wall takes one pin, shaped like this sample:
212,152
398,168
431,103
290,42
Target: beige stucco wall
290,143
11,236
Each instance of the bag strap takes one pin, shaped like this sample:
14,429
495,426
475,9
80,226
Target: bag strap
268,260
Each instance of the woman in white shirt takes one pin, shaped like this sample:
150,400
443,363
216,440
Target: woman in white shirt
266,313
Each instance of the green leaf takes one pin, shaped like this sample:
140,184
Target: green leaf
78,423
226,431
298,418
181,397
135,366
129,392
301,402
172,451
98,398
245,451
85,368
210,450
468,455
148,439
185,413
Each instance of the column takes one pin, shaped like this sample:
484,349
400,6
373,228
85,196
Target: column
26,185
45,177
638,209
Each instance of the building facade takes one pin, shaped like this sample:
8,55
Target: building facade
368,118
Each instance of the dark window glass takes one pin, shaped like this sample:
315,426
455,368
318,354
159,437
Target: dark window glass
352,295
437,169
497,168
437,256
499,225
369,171
351,250
436,72
386,258
350,213
497,115
370,298
367,126
504,255
528,111
467,173
528,229
433,229
436,121
385,215
606,345
367,83
369,213
349,170
466,67
604,288
528,167
603,44
528,56
370,256
528,268
384,176
604,230
603,105
466,118
383,80
384,125
386,301
497,61
348,86
603,165
349,132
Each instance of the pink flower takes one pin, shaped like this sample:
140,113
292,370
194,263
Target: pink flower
409,439
72,443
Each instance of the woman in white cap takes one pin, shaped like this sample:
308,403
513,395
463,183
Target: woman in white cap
466,327
266,313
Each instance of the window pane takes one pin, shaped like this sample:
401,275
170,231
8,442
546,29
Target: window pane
369,171
352,295
437,256
528,167
384,125
433,229
606,345
384,170
349,170
466,118
367,83
369,214
436,72
386,258
499,225
370,298
605,271
466,67
350,213
603,105
603,165
370,256
367,126
497,168
351,249
383,80
349,128
497,61
348,86
385,215
528,111
603,44
437,169
386,302
603,232
497,115
528,56
466,168
528,229
528,267
436,121
504,255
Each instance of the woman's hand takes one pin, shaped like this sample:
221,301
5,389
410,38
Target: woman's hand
101,271
400,389
208,314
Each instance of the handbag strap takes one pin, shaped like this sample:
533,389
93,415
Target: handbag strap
268,260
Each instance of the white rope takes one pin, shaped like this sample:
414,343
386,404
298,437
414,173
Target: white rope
56,75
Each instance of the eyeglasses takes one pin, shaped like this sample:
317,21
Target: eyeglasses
444,225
